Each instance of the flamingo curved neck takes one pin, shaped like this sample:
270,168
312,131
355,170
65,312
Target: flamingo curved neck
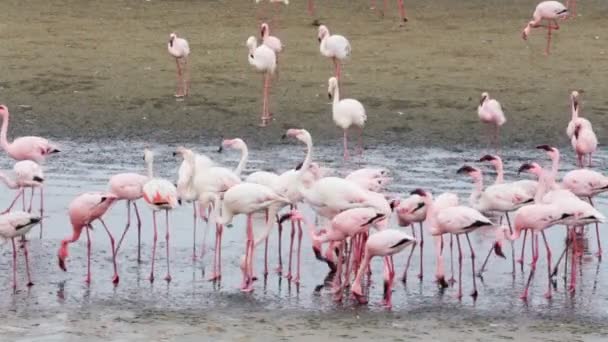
554,168
477,191
3,140
544,182
323,45
336,96
150,169
243,161
305,164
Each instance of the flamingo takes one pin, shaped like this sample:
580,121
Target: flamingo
129,187
24,148
385,243
159,194
335,47
83,210
247,198
372,179
584,142
346,113
529,186
264,60
272,42
178,47
490,112
15,224
549,11
237,144
28,174
399,4
456,220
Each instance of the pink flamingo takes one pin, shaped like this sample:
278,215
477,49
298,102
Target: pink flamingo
24,148
83,210
129,187
549,11
580,132
384,243
264,60
13,225
178,47
247,198
490,112
529,186
28,174
369,178
456,220
160,194
346,113
399,4
272,42
410,211
335,47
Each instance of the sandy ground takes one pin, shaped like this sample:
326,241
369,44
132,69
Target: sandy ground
100,69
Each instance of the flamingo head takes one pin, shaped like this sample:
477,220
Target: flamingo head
484,97
532,168
172,37
526,32
300,134
574,98
552,152
264,30
251,43
495,160
332,86
185,153
323,32
236,143
473,172
3,110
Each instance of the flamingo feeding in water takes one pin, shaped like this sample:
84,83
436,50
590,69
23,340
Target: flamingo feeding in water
178,47
346,113
160,194
264,60
335,47
13,225
83,210
490,113
549,11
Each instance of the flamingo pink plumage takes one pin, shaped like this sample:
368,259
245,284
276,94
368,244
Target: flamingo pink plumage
490,112
24,148
346,113
83,210
335,46
15,224
178,47
549,11
28,174
272,42
264,60
409,211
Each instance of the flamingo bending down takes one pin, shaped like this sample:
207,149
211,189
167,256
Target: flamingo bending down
264,60
247,198
28,174
384,243
335,47
15,224
346,113
83,210
549,11
178,47
24,148
490,112
129,187
160,194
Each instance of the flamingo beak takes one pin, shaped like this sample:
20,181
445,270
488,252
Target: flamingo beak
319,39
575,103
329,95
62,264
498,250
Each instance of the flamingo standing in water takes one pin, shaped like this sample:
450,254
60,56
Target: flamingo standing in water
399,4
410,211
490,112
346,113
160,194
129,187
28,174
178,47
83,210
335,47
264,60
384,243
13,225
549,11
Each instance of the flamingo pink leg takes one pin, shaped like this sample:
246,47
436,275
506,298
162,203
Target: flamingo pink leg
402,11
19,194
122,237
14,264
548,293
297,278
573,267
27,262
388,292
523,248
279,268
459,294
451,281
266,249
311,7
248,274
155,239
293,233
138,232
168,276
409,257
474,293
29,210
534,247
115,278
597,235
88,278
420,275
194,209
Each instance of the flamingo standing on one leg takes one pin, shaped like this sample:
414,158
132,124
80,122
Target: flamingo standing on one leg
13,225
160,194
264,60
384,243
28,174
346,113
83,210
178,47
490,112
129,187
335,46
549,11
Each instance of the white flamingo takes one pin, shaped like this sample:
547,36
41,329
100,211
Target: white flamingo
346,113
490,112
178,47
335,46
264,60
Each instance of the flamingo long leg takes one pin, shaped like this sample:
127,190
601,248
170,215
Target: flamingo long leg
19,194
297,278
155,239
27,262
420,275
597,234
138,232
195,218
459,295
345,143
168,276
548,293
451,281
409,257
279,268
41,207
14,264
474,293
534,247
122,237
115,278
523,249
88,278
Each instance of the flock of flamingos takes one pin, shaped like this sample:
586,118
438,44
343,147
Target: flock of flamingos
357,212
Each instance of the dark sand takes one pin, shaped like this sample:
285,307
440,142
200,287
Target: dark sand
101,69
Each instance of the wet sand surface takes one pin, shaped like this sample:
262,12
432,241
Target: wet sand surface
60,307
80,69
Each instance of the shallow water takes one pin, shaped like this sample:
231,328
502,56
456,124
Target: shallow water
61,307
